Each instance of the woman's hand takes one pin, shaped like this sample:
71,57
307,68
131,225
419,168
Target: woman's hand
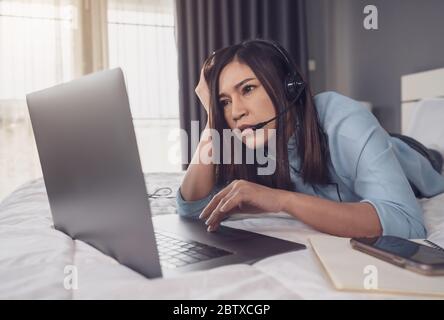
243,195
203,92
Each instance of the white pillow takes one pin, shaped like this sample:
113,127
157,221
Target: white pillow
426,123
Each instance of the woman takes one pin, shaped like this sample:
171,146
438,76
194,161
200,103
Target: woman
337,170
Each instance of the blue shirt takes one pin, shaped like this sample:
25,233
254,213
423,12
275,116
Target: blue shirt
366,164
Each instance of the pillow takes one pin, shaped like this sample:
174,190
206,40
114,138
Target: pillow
426,123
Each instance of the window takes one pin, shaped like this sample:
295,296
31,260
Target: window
141,41
47,42
36,51
35,46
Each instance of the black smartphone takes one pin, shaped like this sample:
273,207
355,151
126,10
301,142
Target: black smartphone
403,253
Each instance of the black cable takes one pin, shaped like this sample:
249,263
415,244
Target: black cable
165,194
337,191
263,124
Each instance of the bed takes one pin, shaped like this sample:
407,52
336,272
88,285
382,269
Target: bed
35,259
418,89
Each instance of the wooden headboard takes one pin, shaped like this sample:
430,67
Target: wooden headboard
417,86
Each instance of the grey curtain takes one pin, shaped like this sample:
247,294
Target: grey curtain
203,26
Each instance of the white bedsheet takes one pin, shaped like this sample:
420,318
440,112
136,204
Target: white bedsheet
33,257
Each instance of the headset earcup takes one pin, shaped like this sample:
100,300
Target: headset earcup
293,86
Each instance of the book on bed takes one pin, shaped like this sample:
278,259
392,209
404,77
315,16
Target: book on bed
352,270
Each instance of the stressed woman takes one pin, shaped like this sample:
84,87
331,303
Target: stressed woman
336,169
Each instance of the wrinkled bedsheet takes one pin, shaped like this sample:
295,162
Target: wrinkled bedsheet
35,259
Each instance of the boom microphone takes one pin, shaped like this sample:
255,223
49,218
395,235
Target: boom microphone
262,124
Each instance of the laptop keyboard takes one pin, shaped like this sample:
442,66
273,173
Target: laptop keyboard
175,252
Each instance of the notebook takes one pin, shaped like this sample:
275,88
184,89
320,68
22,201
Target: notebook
352,270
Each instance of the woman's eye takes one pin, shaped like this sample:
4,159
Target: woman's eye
223,103
248,89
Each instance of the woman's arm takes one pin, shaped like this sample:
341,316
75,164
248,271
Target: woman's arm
199,179
339,219
364,157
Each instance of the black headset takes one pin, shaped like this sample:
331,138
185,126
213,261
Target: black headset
293,83
294,86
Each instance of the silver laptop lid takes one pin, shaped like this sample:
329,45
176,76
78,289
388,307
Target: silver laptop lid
91,166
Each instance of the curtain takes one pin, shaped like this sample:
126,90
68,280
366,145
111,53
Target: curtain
203,26
141,41
91,35
42,43
45,42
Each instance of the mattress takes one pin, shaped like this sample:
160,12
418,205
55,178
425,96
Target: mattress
36,260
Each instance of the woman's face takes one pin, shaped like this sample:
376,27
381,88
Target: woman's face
245,104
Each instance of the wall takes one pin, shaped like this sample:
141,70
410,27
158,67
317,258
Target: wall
367,65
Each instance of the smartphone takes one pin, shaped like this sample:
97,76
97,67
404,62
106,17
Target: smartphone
403,253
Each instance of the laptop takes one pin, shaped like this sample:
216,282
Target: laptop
96,189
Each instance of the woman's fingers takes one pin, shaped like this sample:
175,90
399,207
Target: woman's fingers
233,200
216,199
214,219
214,202
202,90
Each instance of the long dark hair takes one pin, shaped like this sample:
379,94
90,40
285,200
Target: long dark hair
270,68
